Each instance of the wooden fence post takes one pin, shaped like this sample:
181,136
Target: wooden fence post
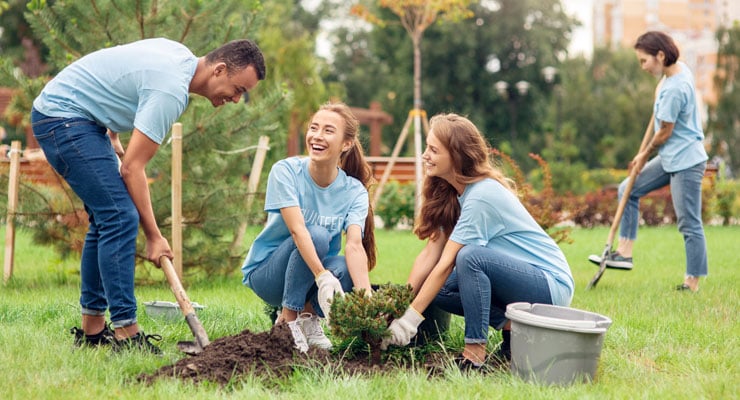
257,164
13,177
252,185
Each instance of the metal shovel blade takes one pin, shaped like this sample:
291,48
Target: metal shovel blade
189,348
602,268
201,338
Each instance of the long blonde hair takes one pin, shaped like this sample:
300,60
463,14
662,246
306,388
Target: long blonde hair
471,162
353,163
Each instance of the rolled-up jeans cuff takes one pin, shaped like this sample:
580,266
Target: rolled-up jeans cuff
123,323
294,308
476,341
88,311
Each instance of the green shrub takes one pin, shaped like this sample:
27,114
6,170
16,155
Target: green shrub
725,203
597,179
548,209
358,318
396,204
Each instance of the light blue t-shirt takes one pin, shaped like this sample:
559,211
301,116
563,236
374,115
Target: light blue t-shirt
143,84
335,207
676,103
492,216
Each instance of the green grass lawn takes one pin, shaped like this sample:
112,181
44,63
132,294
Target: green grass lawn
662,344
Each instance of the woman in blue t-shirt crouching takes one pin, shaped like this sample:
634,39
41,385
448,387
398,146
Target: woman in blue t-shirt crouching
294,263
484,250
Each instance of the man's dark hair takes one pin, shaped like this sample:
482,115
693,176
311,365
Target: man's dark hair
237,55
652,42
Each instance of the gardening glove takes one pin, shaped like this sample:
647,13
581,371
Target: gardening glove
403,329
328,286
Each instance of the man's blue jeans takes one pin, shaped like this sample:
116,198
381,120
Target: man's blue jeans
686,195
284,279
81,152
483,283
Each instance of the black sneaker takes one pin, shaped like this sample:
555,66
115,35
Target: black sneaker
140,341
613,260
103,338
466,365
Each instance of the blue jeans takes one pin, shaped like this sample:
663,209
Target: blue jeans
483,283
686,195
81,152
284,279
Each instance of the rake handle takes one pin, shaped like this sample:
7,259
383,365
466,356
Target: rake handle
622,204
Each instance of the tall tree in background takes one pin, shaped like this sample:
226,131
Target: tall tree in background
724,123
508,40
416,16
213,185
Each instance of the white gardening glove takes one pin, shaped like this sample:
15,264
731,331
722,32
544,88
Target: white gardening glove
403,329
328,285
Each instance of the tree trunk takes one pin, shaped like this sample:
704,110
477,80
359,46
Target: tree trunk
374,344
416,38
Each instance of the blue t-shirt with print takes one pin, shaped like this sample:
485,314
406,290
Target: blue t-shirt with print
676,103
335,207
493,217
143,84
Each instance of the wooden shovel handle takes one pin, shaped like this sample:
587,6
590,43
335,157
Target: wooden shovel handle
182,298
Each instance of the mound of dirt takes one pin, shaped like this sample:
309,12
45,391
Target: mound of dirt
266,354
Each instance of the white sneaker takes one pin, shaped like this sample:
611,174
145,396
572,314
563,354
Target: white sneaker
311,326
298,337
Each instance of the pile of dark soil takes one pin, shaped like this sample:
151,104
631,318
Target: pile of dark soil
270,354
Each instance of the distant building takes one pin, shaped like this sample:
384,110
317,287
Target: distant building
692,23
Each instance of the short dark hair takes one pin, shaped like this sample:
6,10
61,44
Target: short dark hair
237,55
652,42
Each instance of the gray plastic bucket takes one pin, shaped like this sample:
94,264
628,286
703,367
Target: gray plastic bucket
555,345
167,310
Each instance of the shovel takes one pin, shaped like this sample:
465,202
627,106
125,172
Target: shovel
620,208
201,337
615,224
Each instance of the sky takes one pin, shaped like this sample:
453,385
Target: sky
583,41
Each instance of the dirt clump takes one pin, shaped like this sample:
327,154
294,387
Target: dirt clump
268,354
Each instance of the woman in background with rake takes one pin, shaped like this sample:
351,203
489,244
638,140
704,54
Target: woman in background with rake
680,162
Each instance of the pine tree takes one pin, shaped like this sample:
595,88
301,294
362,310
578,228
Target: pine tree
215,162
356,316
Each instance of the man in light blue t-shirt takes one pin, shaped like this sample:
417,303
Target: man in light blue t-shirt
141,87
